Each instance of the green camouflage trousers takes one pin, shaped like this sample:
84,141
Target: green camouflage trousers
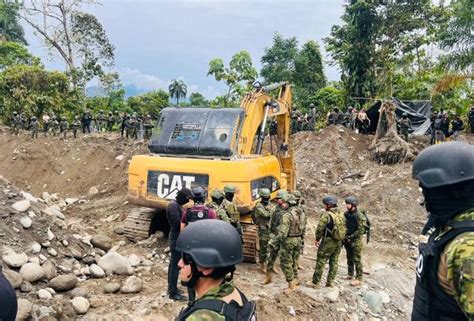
289,255
263,238
328,250
273,248
354,258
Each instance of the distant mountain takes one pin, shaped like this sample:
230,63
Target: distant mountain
130,90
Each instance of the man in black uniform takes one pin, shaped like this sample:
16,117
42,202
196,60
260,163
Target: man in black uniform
8,302
174,211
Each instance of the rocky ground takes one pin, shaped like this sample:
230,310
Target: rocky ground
63,203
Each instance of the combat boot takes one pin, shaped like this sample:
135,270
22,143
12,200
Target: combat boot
356,283
263,268
348,277
297,282
274,270
330,284
291,286
268,278
312,285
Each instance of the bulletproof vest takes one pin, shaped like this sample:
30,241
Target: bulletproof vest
297,222
195,213
438,123
263,222
351,222
431,302
275,221
232,311
232,211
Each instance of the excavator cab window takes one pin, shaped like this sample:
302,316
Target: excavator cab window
198,131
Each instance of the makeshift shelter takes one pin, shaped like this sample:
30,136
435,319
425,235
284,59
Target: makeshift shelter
418,112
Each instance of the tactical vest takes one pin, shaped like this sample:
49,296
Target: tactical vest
232,211
431,302
275,221
232,311
194,214
297,222
264,222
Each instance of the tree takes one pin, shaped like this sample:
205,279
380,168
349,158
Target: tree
197,99
10,28
278,61
13,53
238,76
34,91
177,89
149,103
77,37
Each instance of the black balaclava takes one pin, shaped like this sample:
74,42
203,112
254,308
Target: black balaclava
218,201
265,200
229,196
182,198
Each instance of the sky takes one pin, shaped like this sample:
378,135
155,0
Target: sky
160,40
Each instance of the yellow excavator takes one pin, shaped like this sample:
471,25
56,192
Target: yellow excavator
248,147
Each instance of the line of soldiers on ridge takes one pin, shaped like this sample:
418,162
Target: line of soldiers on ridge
282,225
131,126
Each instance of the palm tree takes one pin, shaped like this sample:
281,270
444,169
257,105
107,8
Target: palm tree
178,90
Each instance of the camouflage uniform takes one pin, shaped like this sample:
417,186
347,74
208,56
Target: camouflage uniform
233,214
273,244
458,270
75,125
220,211
353,242
63,127
223,290
55,127
34,128
290,233
15,124
405,125
329,249
262,214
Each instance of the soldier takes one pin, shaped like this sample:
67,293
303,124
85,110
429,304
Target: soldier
405,125
273,245
231,207
132,127
433,117
291,232
148,124
75,126
262,213
124,124
55,126
457,127
101,120
46,122
438,128
199,211
15,123
63,126
211,250
356,224
294,119
86,122
312,117
34,127
330,232
217,199
444,269
110,122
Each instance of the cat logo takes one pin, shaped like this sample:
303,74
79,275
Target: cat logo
166,184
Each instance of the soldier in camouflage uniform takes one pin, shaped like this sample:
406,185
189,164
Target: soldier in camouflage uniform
445,266
291,231
328,247
231,207
262,213
211,250
405,125
356,224
75,126
15,124
273,245
55,126
217,198
34,127
63,127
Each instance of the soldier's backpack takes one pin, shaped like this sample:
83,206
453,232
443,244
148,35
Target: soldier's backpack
438,123
194,214
297,223
368,226
232,311
337,226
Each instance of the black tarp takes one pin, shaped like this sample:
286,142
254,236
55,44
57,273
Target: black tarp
418,112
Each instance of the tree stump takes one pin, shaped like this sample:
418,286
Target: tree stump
387,147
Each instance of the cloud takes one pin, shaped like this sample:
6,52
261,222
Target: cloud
141,80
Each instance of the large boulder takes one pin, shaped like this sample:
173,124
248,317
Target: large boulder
13,259
132,284
13,277
32,272
102,242
114,263
63,282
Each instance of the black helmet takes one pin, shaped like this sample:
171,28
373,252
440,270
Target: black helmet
211,243
404,115
198,192
330,200
444,164
352,200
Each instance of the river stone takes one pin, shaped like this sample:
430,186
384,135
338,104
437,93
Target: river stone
81,305
102,242
49,270
31,272
36,247
96,271
113,262
374,301
22,206
111,287
79,292
63,282
44,295
13,277
132,284
13,259
26,222
24,310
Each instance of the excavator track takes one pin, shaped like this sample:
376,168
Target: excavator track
250,246
137,224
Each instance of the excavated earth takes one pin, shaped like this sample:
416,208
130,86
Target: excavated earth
85,181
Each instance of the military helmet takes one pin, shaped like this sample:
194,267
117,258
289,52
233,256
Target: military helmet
199,241
330,200
280,194
217,193
76,117
198,192
352,200
33,118
229,188
264,192
14,113
404,115
311,105
297,194
444,164
289,198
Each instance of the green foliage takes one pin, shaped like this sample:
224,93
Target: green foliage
197,99
239,76
177,89
35,91
149,103
13,53
278,61
327,98
10,28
